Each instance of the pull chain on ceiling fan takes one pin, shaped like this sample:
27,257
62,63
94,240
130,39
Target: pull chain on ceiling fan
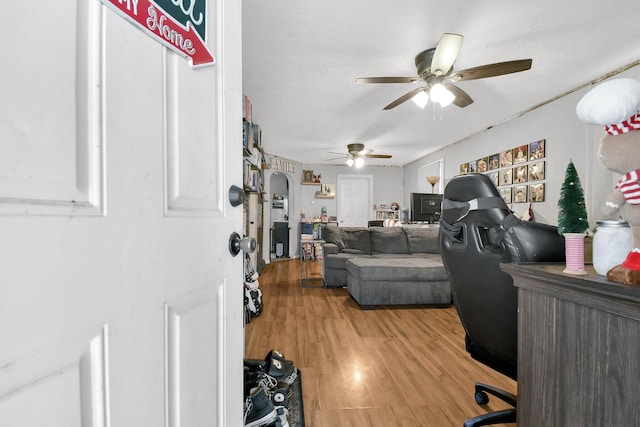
435,68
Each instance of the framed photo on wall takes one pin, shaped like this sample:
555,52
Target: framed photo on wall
536,150
483,164
506,194
464,168
307,177
494,161
505,177
520,154
494,177
536,193
506,158
473,166
536,171
520,194
520,174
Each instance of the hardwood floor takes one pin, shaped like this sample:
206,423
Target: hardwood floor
396,366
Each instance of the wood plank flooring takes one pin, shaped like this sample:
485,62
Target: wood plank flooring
395,366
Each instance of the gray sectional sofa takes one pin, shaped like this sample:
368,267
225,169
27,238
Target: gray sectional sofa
386,265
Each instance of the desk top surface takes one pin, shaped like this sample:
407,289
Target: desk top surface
550,276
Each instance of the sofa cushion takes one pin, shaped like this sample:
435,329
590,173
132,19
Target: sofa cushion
401,269
339,261
333,234
388,240
356,239
423,240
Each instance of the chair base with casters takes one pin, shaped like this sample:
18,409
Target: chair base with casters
482,398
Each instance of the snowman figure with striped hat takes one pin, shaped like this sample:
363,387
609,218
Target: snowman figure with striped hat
615,104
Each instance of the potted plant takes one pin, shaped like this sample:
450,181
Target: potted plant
572,220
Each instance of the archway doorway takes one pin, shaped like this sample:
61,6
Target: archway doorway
279,216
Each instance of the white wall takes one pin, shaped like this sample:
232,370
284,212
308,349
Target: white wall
387,187
566,139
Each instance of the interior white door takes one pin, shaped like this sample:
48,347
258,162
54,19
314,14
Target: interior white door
120,303
354,202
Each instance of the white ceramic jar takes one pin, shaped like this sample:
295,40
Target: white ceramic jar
611,244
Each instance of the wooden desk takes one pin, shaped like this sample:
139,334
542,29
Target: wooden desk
578,348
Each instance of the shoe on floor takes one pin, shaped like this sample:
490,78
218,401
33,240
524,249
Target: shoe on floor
258,410
282,372
275,354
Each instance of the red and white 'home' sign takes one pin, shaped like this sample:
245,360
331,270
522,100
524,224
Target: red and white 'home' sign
167,27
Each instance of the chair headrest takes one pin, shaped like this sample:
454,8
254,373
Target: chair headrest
453,211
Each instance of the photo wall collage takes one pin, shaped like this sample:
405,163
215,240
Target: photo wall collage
516,172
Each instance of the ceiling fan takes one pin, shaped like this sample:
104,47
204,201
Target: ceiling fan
356,153
435,69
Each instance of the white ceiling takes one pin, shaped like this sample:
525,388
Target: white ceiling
301,59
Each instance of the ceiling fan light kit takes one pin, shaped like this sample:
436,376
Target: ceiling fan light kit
435,69
441,95
421,99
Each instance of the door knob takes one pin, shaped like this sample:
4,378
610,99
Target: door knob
236,244
236,195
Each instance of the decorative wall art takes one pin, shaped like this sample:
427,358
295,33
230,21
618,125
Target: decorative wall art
536,150
327,191
505,177
520,174
520,194
307,177
494,161
520,154
483,164
506,158
536,171
512,170
505,192
536,193
494,176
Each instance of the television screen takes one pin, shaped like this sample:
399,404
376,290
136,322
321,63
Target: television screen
426,207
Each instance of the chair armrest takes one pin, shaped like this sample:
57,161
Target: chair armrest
329,248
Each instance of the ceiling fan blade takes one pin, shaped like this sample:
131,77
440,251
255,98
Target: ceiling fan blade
377,156
387,80
403,98
462,98
446,53
336,158
492,70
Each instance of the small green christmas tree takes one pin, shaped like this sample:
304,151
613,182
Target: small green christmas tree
572,211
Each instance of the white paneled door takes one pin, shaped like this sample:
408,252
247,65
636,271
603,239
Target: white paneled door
354,203
120,304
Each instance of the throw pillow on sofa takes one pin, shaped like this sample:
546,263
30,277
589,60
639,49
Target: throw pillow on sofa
333,234
356,240
423,240
389,240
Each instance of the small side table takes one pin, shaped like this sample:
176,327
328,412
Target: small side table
308,254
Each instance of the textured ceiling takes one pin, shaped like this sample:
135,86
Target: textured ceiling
301,60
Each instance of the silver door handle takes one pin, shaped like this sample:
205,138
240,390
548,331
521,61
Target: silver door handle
236,244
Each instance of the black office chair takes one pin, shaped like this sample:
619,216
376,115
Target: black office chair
477,233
